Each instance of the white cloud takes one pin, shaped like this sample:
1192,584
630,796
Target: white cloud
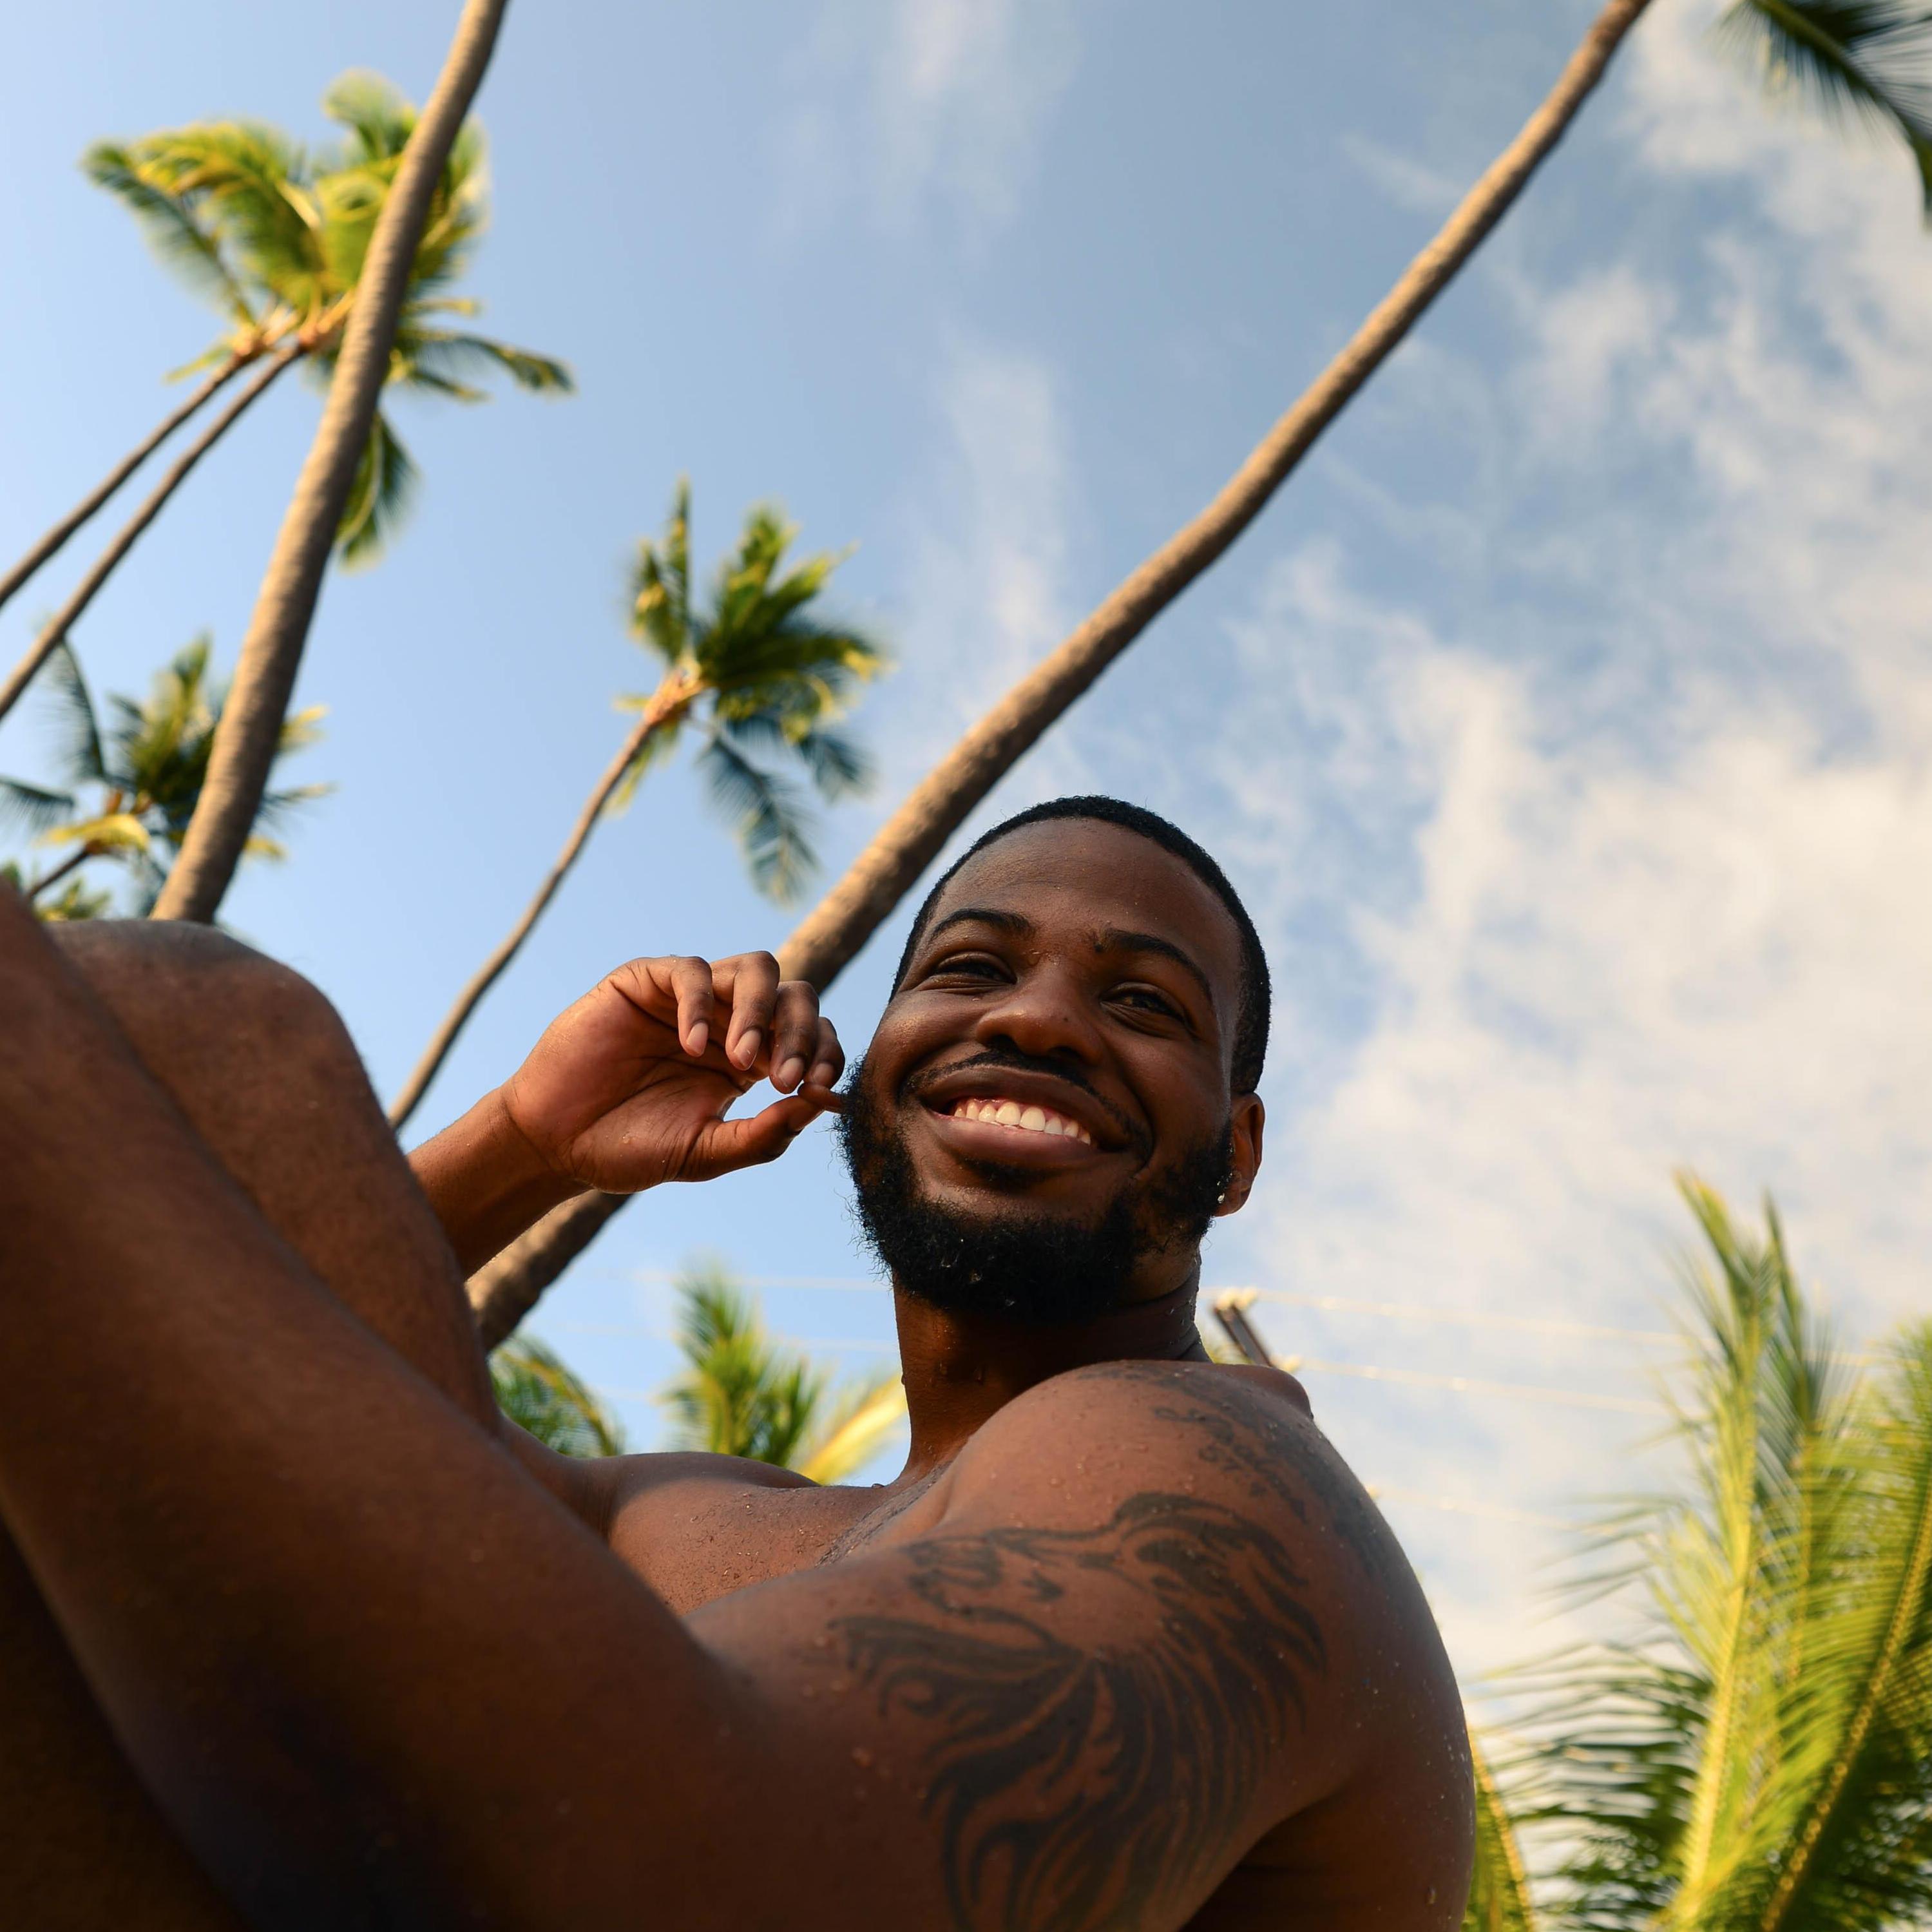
957,94
987,585
1409,183
1553,921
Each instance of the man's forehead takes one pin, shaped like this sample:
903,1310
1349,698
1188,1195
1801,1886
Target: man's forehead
1081,881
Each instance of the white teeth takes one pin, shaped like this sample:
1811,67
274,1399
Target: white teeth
1028,1116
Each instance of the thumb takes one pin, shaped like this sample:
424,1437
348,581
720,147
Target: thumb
725,1146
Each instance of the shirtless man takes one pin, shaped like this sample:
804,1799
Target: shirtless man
295,1633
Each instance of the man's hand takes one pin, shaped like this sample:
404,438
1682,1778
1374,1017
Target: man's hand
630,1087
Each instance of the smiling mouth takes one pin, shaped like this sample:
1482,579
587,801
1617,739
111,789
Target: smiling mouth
1028,1116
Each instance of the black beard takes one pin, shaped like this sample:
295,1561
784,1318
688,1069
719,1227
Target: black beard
1043,1270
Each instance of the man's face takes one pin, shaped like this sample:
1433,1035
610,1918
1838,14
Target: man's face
1042,1125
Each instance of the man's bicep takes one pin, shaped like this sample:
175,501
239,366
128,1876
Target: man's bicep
1101,1674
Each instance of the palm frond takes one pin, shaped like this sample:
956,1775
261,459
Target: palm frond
1847,1813
76,722
1499,1900
250,184
860,1423
372,109
181,241
739,1396
535,1391
660,583
439,358
840,766
772,830
658,745
379,498
76,900
111,833
1868,61
32,808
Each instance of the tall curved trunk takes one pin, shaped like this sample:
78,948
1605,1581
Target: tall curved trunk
831,934
675,692
68,615
50,544
249,733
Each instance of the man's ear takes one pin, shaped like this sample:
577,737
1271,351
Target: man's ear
1249,1116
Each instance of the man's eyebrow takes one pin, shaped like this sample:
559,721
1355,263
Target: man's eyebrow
1001,922
1116,940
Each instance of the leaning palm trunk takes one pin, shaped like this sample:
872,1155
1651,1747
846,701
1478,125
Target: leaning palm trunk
68,615
833,933
50,544
675,692
251,723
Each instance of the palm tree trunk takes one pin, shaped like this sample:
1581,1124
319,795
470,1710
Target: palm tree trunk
250,734
831,934
68,615
670,696
115,478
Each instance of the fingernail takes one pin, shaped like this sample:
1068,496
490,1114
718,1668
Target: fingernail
786,1077
746,1050
821,1075
700,1038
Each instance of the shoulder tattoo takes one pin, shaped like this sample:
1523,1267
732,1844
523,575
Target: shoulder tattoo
1079,1781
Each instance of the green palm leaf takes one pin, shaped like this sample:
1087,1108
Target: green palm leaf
181,241
772,830
1868,60
1757,1756
439,358
1499,1900
33,808
380,497
535,1391
378,119
741,1394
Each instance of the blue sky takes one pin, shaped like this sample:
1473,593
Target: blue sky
1566,720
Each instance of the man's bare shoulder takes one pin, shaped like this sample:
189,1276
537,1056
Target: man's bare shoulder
1244,1439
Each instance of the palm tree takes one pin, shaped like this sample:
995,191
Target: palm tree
265,678
535,1391
743,1394
1755,1750
278,241
757,675
1850,60
129,791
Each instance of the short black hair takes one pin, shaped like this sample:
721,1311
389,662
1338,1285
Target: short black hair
1251,1022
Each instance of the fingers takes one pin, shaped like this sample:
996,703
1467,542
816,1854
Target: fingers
691,984
795,1043
776,1025
828,1059
750,981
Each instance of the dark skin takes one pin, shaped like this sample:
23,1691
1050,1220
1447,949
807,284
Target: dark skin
1125,1646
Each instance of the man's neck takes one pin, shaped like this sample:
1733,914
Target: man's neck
961,1369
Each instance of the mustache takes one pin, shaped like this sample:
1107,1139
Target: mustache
914,1084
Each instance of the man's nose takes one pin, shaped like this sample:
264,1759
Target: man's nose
1045,1015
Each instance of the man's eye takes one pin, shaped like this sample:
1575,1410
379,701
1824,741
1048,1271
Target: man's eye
967,965
1148,1000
